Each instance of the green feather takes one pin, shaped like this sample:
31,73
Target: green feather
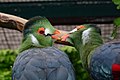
26,44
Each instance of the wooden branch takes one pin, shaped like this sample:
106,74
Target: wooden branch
12,22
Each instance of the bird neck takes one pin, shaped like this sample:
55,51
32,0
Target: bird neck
35,41
88,41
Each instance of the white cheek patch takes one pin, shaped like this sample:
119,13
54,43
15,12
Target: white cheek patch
34,40
86,36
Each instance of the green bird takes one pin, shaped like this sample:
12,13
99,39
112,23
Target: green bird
38,58
35,34
101,60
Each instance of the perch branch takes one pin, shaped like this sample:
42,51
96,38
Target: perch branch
17,23
12,22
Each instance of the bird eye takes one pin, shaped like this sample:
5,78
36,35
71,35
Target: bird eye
41,30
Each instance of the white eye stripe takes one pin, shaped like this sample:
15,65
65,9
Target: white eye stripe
47,31
73,30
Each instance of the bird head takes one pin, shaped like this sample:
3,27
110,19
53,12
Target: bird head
78,33
82,28
40,30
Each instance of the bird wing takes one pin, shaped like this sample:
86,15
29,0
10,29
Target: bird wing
102,61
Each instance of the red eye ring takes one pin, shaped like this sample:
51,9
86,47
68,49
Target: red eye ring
41,30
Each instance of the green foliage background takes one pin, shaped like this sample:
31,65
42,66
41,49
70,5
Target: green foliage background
117,2
116,21
7,58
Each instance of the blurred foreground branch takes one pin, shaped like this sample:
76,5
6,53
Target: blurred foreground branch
12,22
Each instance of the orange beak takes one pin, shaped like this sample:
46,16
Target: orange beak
61,36
55,36
64,37
58,34
57,31
80,27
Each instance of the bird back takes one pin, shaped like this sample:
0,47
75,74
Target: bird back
43,64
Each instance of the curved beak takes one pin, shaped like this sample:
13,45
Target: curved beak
60,37
58,34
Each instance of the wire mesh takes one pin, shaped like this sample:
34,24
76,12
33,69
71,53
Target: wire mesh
9,39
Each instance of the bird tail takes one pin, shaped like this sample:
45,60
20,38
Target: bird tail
116,71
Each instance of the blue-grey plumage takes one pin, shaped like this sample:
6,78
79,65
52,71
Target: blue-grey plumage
43,64
102,61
